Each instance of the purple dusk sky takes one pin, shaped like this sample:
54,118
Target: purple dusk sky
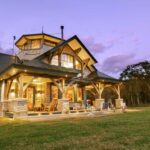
115,31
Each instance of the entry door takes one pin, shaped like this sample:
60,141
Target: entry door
30,97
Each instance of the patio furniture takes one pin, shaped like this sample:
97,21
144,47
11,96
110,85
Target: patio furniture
53,104
76,106
37,106
46,106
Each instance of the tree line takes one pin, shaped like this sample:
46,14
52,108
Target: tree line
136,84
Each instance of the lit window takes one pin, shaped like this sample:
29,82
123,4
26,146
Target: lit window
35,44
78,65
67,61
54,60
27,45
69,94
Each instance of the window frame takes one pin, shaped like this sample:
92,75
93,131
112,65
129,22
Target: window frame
66,54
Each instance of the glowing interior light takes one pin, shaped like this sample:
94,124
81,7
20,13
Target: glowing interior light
14,80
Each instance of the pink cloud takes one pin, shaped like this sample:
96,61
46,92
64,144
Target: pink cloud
117,63
96,47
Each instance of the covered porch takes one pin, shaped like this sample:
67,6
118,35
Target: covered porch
26,91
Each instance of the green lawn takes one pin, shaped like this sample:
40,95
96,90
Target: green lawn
128,131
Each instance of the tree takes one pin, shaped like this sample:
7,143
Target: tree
136,80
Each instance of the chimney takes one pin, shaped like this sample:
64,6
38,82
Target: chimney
62,32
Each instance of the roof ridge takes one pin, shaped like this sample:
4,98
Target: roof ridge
34,34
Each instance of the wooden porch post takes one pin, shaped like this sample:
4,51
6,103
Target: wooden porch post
3,90
75,92
117,90
20,83
84,95
99,87
119,100
63,89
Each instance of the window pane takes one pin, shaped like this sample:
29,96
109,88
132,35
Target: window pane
69,94
35,44
27,46
78,65
54,60
67,61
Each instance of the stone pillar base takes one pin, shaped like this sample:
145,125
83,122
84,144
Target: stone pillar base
18,107
118,103
99,103
63,106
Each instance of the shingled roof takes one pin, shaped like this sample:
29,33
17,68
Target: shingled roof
5,61
97,76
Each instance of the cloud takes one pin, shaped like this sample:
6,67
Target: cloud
117,63
96,47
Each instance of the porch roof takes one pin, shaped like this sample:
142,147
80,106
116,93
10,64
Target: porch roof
50,71
100,76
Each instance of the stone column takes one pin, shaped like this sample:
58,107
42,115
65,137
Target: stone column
63,103
119,102
19,107
99,104
63,106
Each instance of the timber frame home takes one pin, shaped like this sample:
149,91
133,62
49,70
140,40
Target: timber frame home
51,74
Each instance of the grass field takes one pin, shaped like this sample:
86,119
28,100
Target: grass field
128,131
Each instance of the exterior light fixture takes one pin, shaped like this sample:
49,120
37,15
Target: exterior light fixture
14,81
13,93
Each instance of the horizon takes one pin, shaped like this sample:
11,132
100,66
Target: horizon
116,33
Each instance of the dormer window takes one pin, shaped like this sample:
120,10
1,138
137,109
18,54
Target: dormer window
67,61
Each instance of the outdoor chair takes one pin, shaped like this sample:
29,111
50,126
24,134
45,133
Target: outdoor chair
46,106
53,105
37,106
79,107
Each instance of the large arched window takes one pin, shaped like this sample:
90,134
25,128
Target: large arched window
67,61
54,60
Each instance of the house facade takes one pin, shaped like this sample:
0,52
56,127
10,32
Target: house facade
51,74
